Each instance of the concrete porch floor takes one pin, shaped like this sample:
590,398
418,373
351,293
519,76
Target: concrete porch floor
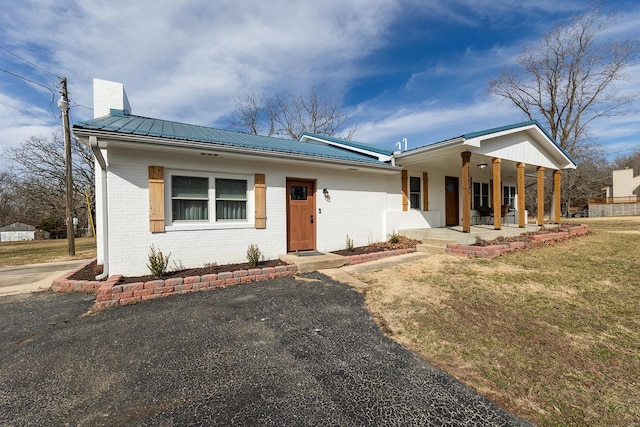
455,234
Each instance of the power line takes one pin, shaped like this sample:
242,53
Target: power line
28,113
29,62
29,80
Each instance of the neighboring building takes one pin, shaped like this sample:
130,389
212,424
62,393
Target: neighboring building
18,231
625,185
622,198
205,194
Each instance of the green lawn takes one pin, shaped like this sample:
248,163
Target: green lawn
37,251
550,333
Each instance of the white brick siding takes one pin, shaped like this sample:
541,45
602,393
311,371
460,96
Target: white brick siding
357,207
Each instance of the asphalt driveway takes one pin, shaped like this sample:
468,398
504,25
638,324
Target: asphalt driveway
293,351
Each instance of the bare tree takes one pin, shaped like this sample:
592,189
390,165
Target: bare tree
8,208
569,77
631,161
290,116
38,168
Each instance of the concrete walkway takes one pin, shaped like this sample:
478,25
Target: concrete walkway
20,279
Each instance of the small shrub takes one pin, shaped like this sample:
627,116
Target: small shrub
211,264
177,266
253,255
158,263
349,244
394,238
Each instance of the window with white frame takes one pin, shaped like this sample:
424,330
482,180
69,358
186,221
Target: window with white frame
480,194
208,198
509,196
414,192
189,198
231,199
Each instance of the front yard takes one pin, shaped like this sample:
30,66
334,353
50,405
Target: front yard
551,333
37,251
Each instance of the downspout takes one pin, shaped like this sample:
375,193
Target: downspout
93,142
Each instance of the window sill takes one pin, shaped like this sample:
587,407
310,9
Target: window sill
209,226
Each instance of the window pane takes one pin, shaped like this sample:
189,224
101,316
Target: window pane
298,192
228,209
189,187
231,199
231,189
414,184
485,194
190,210
415,201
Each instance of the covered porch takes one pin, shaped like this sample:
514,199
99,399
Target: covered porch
477,181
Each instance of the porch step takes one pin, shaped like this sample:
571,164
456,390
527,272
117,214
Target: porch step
425,234
307,263
437,241
431,248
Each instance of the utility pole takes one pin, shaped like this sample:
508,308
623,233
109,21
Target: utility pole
63,103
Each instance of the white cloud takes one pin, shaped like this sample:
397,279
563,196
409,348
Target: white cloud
425,124
190,61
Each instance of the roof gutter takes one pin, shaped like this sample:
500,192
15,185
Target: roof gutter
93,143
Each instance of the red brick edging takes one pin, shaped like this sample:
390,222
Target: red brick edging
493,251
359,259
110,294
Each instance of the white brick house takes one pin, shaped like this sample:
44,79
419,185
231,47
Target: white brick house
205,194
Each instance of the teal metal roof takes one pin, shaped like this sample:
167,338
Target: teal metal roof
354,144
120,123
501,129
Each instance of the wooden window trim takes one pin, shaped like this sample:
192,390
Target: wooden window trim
156,199
260,193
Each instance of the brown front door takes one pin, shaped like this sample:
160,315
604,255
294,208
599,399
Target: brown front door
452,200
301,221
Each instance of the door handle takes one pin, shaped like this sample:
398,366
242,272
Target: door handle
311,219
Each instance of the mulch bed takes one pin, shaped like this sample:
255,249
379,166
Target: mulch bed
91,270
403,243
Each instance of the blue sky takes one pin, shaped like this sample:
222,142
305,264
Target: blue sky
401,69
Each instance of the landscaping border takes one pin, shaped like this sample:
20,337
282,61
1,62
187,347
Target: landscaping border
110,294
492,251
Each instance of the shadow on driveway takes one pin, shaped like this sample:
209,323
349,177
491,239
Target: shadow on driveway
292,351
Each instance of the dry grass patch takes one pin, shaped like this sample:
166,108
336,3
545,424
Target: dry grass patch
37,251
551,333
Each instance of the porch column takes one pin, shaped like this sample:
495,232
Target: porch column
405,191
466,192
520,184
497,191
540,208
557,174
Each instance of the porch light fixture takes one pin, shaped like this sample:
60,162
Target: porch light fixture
482,166
325,192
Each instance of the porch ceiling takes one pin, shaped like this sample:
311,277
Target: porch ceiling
450,161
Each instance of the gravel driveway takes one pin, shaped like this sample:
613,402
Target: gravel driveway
293,351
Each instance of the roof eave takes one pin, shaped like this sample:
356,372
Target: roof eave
212,146
380,156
